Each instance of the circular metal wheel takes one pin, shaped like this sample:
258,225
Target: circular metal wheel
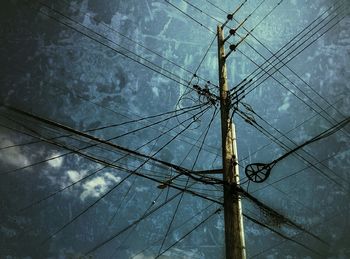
258,172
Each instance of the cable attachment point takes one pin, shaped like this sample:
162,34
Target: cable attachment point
164,184
249,118
248,107
232,32
233,47
205,92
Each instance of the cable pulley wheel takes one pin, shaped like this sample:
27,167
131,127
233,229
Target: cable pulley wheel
258,172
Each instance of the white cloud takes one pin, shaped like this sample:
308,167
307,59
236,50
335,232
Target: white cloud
155,91
12,156
285,105
98,185
73,175
55,162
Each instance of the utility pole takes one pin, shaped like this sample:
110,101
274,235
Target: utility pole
234,232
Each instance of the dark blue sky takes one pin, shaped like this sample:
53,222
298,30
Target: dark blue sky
93,63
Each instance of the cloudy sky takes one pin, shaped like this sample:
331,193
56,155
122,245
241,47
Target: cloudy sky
92,64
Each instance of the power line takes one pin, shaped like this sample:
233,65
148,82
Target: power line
134,226
118,112
179,80
176,228
189,16
278,70
101,141
297,35
294,143
68,4
289,131
280,234
181,197
188,233
109,191
295,173
295,49
185,110
273,138
288,67
84,178
144,176
144,216
316,225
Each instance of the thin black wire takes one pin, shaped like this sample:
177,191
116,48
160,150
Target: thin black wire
114,125
188,233
292,174
171,179
99,141
135,225
103,162
263,19
202,12
186,187
335,215
87,176
287,88
287,132
345,121
273,213
68,153
196,71
111,110
280,234
295,37
189,16
270,75
130,187
176,228
288,67
109,191
191,192
116,212
179,81
106,142
181,197
219,8
114,151
201,147
172,219
68,4
132,224
284,146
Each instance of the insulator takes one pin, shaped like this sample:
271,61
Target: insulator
232,31
233,47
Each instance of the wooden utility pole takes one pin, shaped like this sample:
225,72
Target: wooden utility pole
234,233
